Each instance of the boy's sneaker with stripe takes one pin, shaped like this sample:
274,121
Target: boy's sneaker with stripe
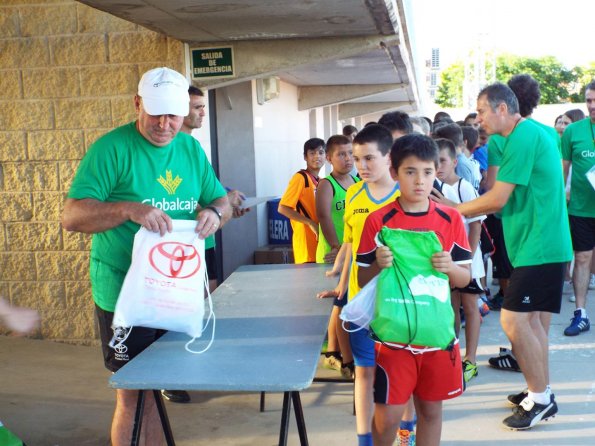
332,360
577,325
469,370
505,361
529,413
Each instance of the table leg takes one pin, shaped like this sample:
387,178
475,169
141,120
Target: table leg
285,419
167,432
138,419
262,401
299,418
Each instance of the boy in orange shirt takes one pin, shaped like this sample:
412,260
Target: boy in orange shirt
299,205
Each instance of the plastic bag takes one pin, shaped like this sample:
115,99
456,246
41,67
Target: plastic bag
164,287
413,299
7,438
360,309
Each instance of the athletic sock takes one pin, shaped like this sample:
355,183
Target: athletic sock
365,439
583,312
540,398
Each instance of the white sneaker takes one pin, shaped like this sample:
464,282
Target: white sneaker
568,287
592,282
572,298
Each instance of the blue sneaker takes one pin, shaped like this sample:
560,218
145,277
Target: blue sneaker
577,324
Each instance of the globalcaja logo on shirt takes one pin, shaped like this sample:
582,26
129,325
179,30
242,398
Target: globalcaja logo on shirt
170,184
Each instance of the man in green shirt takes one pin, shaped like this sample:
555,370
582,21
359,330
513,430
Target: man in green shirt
578,150
145,173
529,193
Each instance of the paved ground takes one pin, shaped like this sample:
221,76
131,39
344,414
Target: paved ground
55,394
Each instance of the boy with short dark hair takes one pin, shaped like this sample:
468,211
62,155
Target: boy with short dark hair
436,375
330,209
371,148
298,202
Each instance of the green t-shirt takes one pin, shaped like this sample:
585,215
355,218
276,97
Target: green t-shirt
496,143
123,166
534,219
578,147
337,213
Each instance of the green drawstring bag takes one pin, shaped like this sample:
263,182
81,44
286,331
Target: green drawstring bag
7,438
413,299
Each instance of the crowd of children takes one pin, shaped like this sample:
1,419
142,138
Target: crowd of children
413,174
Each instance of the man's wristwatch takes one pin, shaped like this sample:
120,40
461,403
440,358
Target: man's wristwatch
216,211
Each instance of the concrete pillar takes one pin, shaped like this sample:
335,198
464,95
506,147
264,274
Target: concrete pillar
236,157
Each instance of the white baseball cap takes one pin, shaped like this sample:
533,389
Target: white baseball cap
164,92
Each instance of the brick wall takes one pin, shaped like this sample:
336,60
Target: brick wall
67,75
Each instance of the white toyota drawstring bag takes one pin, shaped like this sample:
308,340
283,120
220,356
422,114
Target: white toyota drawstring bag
165,285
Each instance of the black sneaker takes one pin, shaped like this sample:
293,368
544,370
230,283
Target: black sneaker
505,361
517,398
529,413
176,396
495,303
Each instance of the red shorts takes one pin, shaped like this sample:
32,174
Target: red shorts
431,376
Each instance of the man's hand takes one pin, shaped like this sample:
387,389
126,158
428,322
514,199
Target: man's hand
439,197
207,223
384,257
149,217
236,199
19,320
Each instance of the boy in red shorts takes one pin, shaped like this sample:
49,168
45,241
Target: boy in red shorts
433,376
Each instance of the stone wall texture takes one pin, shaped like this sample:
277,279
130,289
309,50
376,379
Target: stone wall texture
68,74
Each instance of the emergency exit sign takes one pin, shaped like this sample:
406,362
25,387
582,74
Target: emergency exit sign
212,62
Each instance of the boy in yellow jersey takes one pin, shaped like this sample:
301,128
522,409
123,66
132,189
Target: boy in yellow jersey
371,147
298,203
330,209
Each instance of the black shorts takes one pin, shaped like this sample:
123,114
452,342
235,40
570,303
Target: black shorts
501,266
118,355
340,302
582,230
474,287
211,261
535,288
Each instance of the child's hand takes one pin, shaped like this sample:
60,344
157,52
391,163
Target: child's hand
332,272
442,262
313,227
331,256
384,257
337,292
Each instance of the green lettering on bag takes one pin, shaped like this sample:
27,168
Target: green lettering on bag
412,298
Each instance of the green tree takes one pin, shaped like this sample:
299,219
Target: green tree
554,79
584,75
558,84
450,90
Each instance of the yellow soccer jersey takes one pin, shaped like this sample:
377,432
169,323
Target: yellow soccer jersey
358,204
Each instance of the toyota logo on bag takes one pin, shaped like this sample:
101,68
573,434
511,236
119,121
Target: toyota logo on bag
175,260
